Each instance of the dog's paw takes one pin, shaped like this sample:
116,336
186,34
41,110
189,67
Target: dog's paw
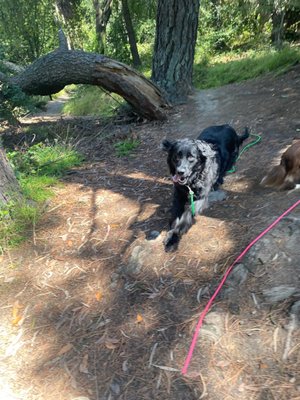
171,241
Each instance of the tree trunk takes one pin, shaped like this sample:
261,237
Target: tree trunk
65,13
277,28
174,49
9,187
103,12
131,35
52,72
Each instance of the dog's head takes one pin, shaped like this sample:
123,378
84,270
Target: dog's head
185,157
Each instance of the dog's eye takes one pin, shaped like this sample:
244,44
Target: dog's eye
178,156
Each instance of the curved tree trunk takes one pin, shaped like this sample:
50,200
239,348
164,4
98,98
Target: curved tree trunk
9,187
176,33
52,72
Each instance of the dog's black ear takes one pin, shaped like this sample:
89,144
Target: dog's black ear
166,144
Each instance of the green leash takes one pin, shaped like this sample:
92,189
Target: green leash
257,140
192,203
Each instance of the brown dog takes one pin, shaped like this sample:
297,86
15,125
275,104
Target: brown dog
286,175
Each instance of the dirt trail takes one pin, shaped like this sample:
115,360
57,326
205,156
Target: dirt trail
92,307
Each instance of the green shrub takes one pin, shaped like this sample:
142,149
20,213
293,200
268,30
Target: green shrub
126,147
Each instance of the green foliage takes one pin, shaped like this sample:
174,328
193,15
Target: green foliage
227,26
37,168
143,15
27,29
44,160
37,188
117,45
90,100
234,68
14,103
15,219
126,147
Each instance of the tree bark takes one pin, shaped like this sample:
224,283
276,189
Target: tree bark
9,187
174,49
277,33
52,72
131,35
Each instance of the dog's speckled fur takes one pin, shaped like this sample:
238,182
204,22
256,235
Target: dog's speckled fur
199,165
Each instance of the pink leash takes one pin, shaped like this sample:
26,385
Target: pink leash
208,305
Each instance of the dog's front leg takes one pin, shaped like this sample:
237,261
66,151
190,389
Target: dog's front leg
179,201
182,225
179,227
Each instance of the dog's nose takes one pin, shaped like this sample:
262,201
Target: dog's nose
180,172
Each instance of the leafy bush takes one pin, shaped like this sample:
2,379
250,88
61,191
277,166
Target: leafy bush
14,103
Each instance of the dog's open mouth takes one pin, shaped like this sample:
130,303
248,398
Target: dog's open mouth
178,179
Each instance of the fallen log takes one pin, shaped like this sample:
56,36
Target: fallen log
52,72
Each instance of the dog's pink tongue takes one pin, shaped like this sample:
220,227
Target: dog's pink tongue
175,178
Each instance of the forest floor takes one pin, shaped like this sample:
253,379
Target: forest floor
93,308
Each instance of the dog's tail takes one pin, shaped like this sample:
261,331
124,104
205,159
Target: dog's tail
275,177
244,136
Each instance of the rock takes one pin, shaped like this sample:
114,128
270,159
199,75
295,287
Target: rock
115,388
233,283
295,310
234,308
80,398
114,276
213,326
238,276
153,235
217,195
135,263
279,293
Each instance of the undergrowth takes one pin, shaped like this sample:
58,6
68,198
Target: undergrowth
37,169
126,147
90,100
234,67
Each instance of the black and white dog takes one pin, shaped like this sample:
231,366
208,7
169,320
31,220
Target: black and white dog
198,167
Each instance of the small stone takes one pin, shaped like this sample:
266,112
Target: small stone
114,277
115,388
153,235
234,308
237,276
80,398
113,285
218,195
279,293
